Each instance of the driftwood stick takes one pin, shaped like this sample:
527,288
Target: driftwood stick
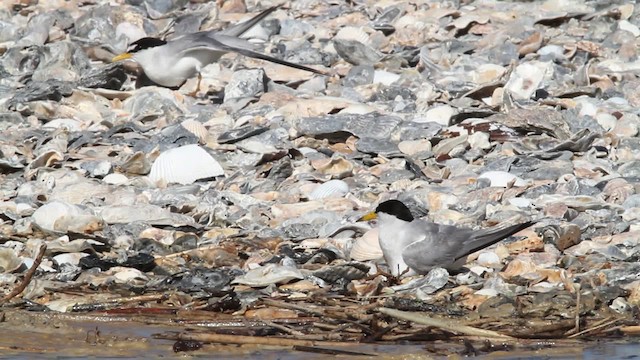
27,277
448,324
630,330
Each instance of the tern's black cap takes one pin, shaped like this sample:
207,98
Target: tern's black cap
145,43
395,208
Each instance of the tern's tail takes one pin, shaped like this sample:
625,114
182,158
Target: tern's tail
487,237
239,29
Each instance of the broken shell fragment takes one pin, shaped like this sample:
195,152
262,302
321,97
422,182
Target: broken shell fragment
338,167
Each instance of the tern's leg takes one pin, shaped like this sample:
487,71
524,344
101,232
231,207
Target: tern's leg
195,91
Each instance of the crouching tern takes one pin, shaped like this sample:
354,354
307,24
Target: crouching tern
414,246
171,63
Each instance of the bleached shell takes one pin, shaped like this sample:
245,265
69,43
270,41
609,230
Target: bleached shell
9,261
269,274
184,165
337,167
60,216
412,147
527,78
69,258
69,124
488,72
479,140
489,259
115,179
330,189
502,179
196,128
126,275
353,33
440,114
367,247
385,77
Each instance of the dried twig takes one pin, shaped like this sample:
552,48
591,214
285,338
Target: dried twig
322,314
594,328
577,286
27,277
448,324
248,340
283,328
318,350
188,252
116,302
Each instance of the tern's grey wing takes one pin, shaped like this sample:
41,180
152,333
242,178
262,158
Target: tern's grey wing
241,28
446,245
439,248
218,44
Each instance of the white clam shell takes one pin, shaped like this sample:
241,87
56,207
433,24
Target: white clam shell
367,247
9,261
184,165
330,189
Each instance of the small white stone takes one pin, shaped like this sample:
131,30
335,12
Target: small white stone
412,147
520,202
115,179
384,77
487,292
489,259
607,121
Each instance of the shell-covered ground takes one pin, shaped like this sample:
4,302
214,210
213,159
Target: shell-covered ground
230,206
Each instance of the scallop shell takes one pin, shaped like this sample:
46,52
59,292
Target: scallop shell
184,165
367,247
617,190
330,189
354,33
196,128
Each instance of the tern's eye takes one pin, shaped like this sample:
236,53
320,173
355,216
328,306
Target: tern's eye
145,43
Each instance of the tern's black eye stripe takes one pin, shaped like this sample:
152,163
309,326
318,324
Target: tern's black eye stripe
145,43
